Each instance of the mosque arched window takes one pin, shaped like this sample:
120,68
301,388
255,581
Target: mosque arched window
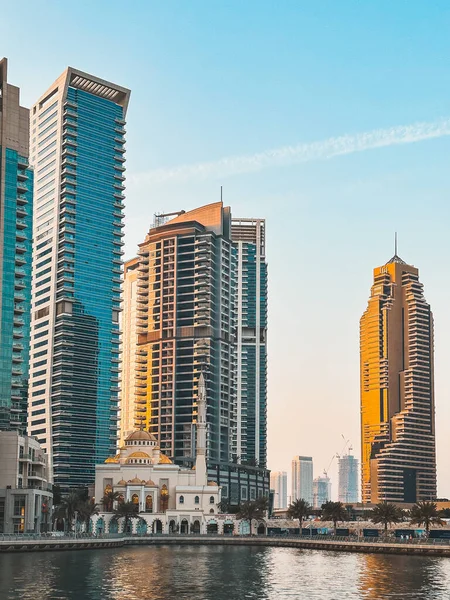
135,499
181,499
197,500
211,499
149,503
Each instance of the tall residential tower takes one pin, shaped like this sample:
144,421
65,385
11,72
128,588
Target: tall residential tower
249,240
78,155
397,389
16,220
278,483
186,323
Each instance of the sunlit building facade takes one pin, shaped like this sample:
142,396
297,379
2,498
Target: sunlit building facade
321,491
397,389
16,230
78,155
251,338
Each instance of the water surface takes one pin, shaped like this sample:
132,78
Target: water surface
220,573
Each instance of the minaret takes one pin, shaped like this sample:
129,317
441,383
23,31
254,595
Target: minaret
200,463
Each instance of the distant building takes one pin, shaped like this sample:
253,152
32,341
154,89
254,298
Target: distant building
397,389
278,483
348,479
16,232
26,497
302,478
321,491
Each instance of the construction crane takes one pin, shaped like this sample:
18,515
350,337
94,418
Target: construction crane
325,471
346,443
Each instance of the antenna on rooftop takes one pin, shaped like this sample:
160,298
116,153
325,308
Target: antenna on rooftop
221,193
395,244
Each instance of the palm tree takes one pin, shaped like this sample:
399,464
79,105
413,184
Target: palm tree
68,507
108,500
386,513
299,509
87,510
334,511
128,511
253,509
425,513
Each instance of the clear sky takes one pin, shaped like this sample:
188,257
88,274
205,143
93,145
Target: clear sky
237,80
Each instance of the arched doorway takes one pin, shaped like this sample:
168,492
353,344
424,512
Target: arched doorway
100,526
212,527
172,526
141,527
128,527
196,527
113,526
164,499
59,525
261,529
244,528
149,503
157,526
228,528
184,526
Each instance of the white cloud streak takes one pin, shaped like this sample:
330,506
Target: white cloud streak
301,153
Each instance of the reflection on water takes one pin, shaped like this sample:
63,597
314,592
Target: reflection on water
220,573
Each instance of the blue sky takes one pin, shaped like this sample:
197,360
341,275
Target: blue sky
212,80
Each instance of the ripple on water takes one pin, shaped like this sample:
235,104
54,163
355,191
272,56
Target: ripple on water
220,573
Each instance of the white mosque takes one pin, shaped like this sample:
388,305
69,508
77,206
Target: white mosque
170,498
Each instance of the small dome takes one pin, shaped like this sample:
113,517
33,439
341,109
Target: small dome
214,483
112,459
135,480
164,460
122,482
139,454
144,436
150,483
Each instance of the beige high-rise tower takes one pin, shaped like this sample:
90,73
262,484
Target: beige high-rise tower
397,389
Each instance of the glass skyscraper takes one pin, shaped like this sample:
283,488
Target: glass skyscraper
248,237
16,218
77,151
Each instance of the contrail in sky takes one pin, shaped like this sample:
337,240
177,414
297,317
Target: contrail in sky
301,153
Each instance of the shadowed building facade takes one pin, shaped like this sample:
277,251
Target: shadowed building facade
397,389
16,224
78,155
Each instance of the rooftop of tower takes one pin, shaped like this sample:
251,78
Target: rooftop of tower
396,259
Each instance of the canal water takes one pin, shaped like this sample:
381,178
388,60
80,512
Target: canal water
220,573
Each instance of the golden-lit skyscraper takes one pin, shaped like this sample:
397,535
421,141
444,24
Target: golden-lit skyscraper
398,457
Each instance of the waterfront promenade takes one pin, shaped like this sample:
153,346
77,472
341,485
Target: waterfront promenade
340,544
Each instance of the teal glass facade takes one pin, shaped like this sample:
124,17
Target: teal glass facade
85,378
16,184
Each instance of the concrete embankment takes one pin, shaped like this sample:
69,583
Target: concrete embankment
52,544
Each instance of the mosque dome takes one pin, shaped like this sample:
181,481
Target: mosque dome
139,454
141,436
150,483
214,483
122,482
164,460
135,480
112,459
